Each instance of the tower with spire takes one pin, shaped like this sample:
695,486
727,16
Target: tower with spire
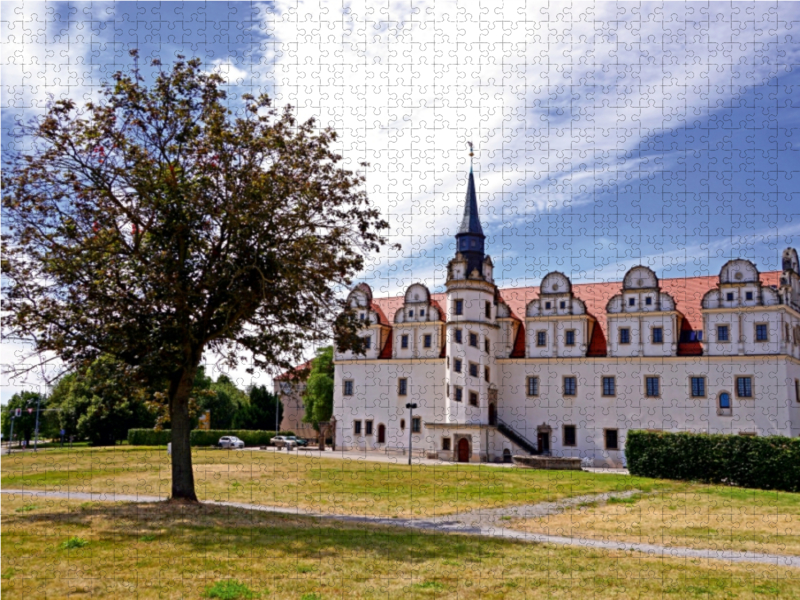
471,325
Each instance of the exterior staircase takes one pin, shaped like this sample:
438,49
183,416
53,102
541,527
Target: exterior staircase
516,437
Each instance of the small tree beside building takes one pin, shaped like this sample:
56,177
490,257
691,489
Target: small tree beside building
318,398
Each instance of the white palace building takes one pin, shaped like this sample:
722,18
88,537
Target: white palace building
567,369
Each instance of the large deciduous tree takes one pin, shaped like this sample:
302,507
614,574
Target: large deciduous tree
157,224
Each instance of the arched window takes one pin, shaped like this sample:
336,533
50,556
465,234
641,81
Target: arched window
724,404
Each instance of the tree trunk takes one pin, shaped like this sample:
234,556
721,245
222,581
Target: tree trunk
182,474
321,437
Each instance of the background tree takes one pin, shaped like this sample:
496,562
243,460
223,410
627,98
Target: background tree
157,225
260,414
225,402
101,402
318,397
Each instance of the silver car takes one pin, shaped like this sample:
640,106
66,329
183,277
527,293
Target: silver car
231,442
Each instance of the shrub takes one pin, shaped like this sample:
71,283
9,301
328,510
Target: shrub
770,463
73,542
201,437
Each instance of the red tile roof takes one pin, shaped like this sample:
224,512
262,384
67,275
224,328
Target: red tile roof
298,371
687,292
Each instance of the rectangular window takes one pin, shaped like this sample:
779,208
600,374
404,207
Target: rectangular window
411,313
698,387
402,386
473,398
458,336
348,387
473,369
570,338
761,332
748,295
357,427
459,393
609,386
723,333
486,345
457,365
404,341
651,387
562,305
548,305
427,340
486,374
533,386
797,390
541,338
473,340
648,301
458,307
368,342
744,387
631,301
569,435
658,335
488,310
445,443
367,427
416,425
612,439
570,386
624,335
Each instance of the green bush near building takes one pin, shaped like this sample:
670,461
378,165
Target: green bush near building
200,437
769,463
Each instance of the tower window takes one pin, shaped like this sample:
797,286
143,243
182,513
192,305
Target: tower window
402,386
458,336
486,345
648,301
427,340
422,312
486,374
458,307
761,332
541,338
562,305
570,386
631,301
357,427
609,386
533,386
658,335
723,333
473,398
488,310
624,335
473,340
459,393
404,341
411,313
457,365
570,338
548,305
348,387
368,342
652,387
729,296
473,370
748,295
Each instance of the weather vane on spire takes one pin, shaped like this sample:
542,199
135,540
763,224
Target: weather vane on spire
471,154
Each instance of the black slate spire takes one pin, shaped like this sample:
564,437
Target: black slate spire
470,238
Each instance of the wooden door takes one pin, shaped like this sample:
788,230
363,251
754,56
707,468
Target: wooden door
463,450
492,414
544,442
381,434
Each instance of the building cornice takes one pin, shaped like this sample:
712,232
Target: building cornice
585,317
466,323
641,359
750,309
645,313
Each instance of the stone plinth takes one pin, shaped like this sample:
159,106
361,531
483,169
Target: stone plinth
548,462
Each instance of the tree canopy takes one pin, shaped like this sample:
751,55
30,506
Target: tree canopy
260,414
156,225
25,424
318,397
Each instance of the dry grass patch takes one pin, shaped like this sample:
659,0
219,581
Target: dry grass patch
166,551
694,516
312,483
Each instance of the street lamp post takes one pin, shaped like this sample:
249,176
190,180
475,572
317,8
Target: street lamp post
410,406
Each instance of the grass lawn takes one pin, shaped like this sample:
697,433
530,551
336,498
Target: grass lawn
320,484
690,515
57,549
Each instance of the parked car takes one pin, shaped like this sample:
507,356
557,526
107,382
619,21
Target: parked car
279,441
298,440
231,442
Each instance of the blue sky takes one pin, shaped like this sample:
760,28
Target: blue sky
606,135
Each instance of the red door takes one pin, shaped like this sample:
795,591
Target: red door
381,434
463,450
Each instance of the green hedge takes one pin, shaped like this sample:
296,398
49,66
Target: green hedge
199,437
769,463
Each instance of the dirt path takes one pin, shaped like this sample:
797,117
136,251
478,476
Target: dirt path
482,522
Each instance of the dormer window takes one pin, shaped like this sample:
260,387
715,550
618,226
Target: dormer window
562,305
548,305
648,301
411,313
422,312
729,296
631,301
748,295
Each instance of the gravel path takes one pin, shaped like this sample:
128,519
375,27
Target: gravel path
478,522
